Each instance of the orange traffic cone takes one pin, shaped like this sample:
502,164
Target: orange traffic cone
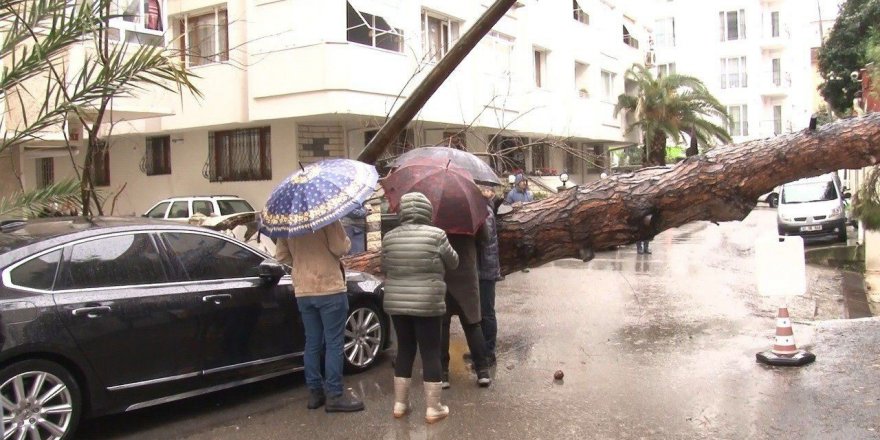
784,351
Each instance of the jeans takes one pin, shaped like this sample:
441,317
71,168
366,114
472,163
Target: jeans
324,321
487,308
422,334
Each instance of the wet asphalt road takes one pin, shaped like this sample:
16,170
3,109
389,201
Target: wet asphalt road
657,346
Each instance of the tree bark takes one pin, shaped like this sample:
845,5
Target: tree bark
720,185
657,150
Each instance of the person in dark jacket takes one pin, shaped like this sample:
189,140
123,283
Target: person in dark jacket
463,299
490,272
355,228
415,259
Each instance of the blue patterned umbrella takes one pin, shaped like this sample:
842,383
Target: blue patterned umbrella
316,196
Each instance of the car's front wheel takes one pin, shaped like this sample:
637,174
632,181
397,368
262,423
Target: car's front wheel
41,400
364,337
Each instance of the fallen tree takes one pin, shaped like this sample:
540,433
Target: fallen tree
721,185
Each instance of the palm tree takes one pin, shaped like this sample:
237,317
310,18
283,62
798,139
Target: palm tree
35,40
669,106
33,203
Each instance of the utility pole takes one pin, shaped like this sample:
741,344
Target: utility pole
433,80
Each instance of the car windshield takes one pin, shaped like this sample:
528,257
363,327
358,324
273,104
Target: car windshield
809,192
228,207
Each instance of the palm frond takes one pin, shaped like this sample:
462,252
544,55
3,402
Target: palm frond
33,203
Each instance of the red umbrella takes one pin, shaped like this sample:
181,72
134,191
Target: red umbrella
459,206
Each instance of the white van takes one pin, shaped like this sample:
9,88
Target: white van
813,207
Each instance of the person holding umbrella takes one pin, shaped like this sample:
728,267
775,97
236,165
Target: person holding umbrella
415,258
303,213
460,210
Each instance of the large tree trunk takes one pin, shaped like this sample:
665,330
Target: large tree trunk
721,185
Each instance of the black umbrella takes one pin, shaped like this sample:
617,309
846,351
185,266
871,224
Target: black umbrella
480,170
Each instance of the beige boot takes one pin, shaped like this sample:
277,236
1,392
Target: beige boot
436,411
401,396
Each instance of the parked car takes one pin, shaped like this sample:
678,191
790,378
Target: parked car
813,207
771,198
113,315
182,208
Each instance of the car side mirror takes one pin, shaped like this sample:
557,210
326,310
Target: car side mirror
271,272
847,195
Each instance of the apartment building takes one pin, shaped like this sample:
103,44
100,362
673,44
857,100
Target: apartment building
758,57
294,81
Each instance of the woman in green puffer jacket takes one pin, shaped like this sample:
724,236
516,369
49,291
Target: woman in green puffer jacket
415,257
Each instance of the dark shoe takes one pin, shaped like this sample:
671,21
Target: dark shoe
316,399
444,380
345,402
483,378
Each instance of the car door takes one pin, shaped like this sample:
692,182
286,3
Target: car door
134,326
250,323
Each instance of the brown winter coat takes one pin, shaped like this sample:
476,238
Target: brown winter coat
315,259
463,282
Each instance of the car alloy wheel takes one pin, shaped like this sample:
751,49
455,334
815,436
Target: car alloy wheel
36,405
363,337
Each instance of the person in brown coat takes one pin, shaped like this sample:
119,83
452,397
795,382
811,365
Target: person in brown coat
463,299
319,286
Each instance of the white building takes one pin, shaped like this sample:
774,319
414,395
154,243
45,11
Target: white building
756,56
288,81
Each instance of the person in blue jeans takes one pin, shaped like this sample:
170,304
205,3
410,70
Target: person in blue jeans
319,286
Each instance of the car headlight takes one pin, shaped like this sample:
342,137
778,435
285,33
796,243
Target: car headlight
836,212
785,217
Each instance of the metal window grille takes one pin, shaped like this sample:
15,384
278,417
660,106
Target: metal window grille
157,156
239,155
45,171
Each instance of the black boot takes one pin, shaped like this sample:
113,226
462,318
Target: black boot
316,399
345,402
639,247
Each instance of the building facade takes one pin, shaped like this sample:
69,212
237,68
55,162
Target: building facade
758,57
285,82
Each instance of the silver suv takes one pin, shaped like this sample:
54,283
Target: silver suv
182,208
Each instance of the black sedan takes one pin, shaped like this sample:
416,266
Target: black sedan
110,315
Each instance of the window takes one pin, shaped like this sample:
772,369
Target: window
158,211
100,171
372,30
203,207
739,120
774,24
228,207
157,158
540,157
455,139
204,38
608,86
777,71
405,141
664,32
509,158
777,119
37,273
138,21
502,52
123,260
45,172
210,258
579,14
665,69
581,79
179,209
240,155
540,67
438,35
628,39
733,73
733,25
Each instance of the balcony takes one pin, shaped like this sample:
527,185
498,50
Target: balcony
775,84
